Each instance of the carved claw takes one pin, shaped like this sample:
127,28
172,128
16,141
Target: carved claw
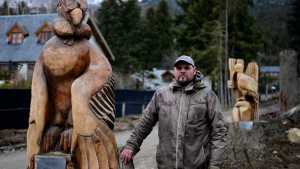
66,140
74,141
229,84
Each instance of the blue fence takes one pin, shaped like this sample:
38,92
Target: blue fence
130,102
14,105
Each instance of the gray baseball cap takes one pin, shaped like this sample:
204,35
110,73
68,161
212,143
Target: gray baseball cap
186,59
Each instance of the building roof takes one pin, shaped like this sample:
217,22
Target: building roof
19,27
270,69
29,50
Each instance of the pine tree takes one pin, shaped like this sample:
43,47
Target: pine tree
158,35
5,9
23,8
165,28
149,44
212,31
138,43
118,21
294,25
245,38
294,30
202,25
108,17
199,33
132,33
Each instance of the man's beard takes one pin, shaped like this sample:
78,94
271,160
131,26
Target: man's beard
182,81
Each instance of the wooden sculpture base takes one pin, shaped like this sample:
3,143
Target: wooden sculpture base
55,160
246,125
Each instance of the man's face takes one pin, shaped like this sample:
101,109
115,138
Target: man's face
184,72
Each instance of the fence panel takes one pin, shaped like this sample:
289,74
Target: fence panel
15,103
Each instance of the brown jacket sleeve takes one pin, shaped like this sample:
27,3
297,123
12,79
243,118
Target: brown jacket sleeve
218,131
143,129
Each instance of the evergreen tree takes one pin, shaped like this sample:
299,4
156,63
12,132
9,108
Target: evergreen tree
132,34
211,32
245,38
112,19
23,8
158,35
108,17
199,33
294,30
5,9
150,55
165,29
201,30
294,25
271,17
138,43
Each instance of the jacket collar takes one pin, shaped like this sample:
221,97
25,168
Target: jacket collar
192,87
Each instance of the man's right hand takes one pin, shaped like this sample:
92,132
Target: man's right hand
126,155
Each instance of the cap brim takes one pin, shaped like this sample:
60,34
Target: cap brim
182,61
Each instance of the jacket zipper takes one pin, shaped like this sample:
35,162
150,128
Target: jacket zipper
178,125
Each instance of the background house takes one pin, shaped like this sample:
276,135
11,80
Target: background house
152,80
269,82
272,71
21,41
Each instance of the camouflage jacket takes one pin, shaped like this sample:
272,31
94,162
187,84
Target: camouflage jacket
191,127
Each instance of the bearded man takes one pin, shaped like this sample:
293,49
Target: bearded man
191,126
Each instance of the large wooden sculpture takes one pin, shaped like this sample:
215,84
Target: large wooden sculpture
244,85
72,105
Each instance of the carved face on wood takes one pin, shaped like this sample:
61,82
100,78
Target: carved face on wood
72,10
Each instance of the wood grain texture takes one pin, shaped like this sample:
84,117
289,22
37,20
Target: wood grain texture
245,87
70,77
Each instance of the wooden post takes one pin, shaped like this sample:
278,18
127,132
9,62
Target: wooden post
123,109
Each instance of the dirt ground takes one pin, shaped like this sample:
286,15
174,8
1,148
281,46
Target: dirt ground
265,146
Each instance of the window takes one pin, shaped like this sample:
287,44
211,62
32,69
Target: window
16,34
43,37
15,38
44,33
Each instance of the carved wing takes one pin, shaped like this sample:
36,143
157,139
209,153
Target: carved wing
252,70
231,63
102,104
92,148
233,69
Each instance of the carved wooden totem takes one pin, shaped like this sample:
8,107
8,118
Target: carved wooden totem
244,85
72,104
